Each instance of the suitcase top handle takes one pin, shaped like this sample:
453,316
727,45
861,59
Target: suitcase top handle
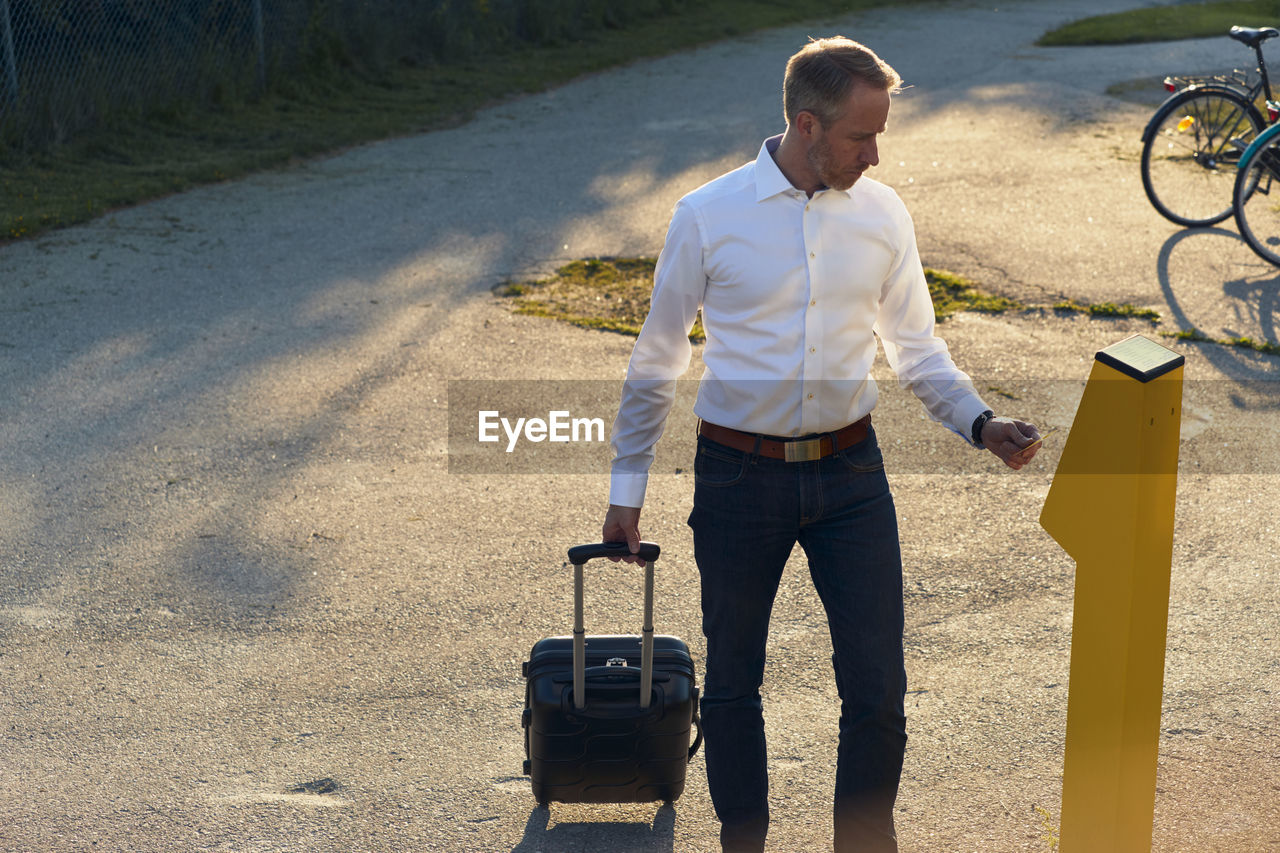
579,554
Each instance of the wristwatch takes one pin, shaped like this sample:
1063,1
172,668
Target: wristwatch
978,423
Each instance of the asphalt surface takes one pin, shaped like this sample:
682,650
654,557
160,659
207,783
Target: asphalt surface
252,598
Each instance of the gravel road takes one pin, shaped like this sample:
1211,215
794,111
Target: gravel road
252,600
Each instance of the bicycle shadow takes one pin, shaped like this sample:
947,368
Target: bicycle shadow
595,836
1256,300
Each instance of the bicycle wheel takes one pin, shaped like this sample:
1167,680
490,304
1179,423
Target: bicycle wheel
1257,201
1190,151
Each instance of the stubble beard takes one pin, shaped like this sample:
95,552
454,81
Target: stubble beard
820,160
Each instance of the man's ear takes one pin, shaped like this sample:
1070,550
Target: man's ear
807,124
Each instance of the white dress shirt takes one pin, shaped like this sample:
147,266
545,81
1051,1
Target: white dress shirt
793,292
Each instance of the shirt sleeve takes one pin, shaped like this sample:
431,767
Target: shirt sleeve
661,354
919,358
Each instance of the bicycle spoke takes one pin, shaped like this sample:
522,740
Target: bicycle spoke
1189,157
1215,131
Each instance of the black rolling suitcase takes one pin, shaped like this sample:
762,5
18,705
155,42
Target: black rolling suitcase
608,718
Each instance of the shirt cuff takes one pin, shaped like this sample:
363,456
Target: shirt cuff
968,414
626,488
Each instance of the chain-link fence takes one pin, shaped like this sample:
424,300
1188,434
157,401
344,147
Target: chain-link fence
65,65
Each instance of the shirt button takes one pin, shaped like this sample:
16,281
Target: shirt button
813,302
813,349
813,254
810,396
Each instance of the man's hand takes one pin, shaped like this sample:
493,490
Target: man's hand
622,524
1007,438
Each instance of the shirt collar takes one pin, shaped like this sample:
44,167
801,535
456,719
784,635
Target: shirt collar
769,178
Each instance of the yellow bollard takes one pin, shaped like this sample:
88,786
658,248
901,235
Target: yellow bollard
1111,508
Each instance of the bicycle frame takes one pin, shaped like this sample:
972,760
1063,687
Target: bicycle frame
1262,73
1262,140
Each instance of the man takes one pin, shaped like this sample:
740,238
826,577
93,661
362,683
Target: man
797,262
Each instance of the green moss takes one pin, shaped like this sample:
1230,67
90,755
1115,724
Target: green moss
607,294
1049,832
1264,347
1257,346
1008,395
1108,309
1189,335
952,293
612,294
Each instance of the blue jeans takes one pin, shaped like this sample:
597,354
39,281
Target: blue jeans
748,513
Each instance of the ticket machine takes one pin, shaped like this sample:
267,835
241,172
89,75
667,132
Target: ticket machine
1111,508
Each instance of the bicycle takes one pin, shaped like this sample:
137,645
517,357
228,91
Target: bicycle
1257,213
1201,131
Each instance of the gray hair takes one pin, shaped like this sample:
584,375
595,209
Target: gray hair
821,75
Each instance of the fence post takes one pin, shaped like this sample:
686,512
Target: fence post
259,40
10,59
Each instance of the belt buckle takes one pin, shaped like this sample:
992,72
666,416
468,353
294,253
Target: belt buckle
806,450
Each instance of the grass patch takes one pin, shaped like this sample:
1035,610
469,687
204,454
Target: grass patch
609,294
1008,395
1264,347
135,158
612,294
1108,309
1048,829
952,293
1165,23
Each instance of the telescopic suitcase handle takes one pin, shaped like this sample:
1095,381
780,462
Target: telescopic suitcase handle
579,555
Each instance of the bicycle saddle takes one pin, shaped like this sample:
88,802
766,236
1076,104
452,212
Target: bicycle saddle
1253,36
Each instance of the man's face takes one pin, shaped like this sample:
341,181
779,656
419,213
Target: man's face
841,152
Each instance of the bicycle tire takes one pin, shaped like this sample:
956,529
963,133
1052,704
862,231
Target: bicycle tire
1257,200
1190,150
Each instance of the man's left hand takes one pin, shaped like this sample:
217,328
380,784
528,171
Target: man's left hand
1009,439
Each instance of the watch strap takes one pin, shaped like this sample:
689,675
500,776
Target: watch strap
978,423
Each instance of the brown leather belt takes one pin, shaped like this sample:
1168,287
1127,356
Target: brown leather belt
791,449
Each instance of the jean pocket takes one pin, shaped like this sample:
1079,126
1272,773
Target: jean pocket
864,457
716,465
